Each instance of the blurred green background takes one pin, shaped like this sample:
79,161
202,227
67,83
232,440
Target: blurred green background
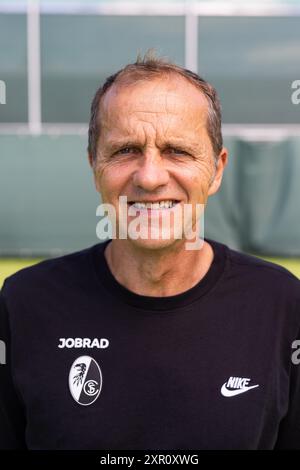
47,196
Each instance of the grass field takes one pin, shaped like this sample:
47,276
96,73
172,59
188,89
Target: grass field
9,266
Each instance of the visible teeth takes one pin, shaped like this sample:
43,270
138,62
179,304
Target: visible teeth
155,205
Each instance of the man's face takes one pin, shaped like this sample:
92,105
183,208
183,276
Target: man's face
154,147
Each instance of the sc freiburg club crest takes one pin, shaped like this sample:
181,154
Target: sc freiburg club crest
85,380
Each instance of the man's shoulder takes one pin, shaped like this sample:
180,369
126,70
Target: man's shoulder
259,264
253,266
65,267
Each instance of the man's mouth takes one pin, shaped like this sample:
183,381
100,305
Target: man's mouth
158,205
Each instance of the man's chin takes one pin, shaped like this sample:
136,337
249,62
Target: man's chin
154,243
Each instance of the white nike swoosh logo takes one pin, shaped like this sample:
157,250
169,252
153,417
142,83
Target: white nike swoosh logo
231,393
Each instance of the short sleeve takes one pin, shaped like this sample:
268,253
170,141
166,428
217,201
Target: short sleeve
12,415
289,430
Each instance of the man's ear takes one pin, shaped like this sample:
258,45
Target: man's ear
91,160
93,167
221,164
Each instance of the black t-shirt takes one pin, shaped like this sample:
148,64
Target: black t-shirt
92,365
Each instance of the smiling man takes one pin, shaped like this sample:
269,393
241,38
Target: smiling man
141,342
149,141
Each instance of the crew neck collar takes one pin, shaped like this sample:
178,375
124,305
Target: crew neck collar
145,302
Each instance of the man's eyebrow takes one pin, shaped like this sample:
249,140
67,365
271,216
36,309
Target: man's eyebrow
115,145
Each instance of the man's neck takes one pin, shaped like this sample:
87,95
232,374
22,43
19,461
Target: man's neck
157,273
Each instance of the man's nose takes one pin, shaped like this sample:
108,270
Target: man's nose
151,172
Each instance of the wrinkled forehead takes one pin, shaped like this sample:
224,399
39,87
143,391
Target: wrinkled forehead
157,100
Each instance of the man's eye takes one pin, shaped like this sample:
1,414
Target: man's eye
129,150
126,150
177,151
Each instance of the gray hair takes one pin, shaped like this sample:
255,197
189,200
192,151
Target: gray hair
147,67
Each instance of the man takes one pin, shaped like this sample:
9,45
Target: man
142,342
